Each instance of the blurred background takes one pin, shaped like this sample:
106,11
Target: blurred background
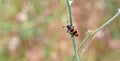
31,30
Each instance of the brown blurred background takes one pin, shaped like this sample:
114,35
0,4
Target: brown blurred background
31,30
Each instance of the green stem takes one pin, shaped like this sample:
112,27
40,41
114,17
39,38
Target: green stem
69,11
73,40
108,22
97,30
82,43
75,49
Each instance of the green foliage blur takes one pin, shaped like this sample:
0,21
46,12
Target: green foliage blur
27,20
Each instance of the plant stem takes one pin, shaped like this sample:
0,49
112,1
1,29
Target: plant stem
82,43
97,30
75,49
73,40
108,22
69,11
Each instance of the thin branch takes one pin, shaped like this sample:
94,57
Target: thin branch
97,30
69,3
87,45
69,11
108,22
75,48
